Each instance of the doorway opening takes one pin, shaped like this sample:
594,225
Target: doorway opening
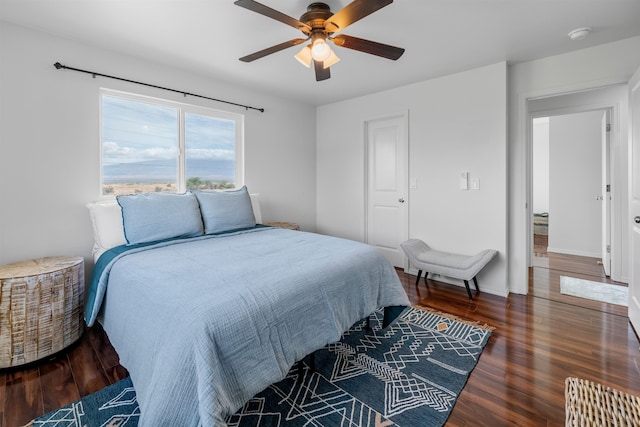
571,206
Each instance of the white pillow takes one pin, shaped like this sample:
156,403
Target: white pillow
108,232
255,204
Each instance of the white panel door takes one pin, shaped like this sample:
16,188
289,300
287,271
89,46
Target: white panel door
386,186
634,202
606,194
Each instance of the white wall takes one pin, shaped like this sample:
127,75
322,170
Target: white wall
575,169
49,141
599,66
456,123
540,152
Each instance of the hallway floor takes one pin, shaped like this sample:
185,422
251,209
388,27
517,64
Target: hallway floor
544,277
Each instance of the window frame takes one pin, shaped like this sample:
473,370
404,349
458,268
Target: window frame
182,109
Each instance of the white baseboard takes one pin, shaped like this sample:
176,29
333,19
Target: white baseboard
572,252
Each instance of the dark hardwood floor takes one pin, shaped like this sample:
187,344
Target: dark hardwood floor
548,267
519,381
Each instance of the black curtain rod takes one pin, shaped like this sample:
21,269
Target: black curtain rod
94,74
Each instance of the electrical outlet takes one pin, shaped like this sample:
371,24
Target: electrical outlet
475,183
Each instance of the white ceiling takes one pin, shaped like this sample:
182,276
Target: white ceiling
440,37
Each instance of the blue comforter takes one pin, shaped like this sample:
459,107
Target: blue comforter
204,324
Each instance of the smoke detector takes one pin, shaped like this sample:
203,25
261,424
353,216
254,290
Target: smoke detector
579,33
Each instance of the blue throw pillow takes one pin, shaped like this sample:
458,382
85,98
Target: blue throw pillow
225,210
158,216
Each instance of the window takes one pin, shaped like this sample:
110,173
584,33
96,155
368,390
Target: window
152,145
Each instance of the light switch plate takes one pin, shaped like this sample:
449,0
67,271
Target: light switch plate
464,180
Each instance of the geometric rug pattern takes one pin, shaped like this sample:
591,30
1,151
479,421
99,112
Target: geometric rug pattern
113,406
408,374
603,292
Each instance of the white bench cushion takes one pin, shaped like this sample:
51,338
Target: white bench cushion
464,267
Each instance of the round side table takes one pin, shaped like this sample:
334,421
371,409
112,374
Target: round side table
41,308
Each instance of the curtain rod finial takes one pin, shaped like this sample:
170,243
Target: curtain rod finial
58,65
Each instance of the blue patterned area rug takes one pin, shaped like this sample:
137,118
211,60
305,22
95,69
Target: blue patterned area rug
408,374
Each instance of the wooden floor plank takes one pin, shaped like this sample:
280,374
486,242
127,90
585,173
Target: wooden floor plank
107,356
58,385
86,367
3,395
23,396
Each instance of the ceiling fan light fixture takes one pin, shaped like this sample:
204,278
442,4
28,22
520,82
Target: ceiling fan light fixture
320,50
331,60
304,56
319,25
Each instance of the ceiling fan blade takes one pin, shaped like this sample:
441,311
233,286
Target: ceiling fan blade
272,49
353,12
272,13
368,46
321,72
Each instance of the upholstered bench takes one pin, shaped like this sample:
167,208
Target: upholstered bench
429,260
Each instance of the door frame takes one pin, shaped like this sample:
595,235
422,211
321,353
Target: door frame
606,134
634,202
617,251
404,118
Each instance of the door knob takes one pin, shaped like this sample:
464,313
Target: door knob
637,219
401,199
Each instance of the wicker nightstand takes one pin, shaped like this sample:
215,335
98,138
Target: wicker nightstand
287,225
41,303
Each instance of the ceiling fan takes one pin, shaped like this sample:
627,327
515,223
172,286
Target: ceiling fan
319,24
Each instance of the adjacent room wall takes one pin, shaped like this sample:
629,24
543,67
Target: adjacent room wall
575,170
456,123
49,141
599,66
540,152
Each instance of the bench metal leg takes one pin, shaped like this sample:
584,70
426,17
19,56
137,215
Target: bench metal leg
466,283
475,282
426,274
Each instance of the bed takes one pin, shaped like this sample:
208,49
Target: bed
204,319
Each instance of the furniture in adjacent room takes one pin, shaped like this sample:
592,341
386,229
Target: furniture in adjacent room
41,308
458,266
